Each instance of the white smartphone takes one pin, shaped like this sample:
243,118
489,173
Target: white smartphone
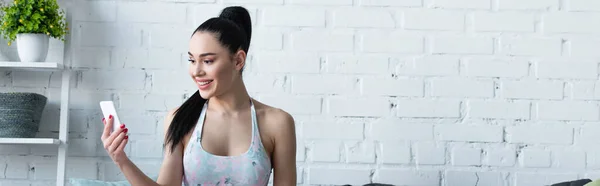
108,108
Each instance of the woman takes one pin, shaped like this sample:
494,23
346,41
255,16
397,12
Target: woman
220,135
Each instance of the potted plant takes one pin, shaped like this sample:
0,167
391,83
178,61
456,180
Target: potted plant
31,23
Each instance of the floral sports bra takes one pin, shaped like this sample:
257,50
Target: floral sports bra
252,168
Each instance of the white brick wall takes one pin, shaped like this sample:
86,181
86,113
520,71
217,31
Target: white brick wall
404,92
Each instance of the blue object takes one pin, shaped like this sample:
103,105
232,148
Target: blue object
86,182
89,182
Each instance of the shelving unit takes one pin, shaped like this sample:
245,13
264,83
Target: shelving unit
32,66
64,67
30,141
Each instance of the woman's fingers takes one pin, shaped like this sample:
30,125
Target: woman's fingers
113,136
121,147
108,123
117,141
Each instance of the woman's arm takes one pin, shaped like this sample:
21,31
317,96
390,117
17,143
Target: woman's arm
134,175
171,171
284,152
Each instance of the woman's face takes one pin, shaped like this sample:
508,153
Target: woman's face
211,66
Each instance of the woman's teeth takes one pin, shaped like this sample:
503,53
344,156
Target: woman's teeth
204,82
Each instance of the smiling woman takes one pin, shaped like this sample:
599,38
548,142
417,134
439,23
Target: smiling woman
220,135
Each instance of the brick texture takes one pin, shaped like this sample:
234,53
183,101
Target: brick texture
403,92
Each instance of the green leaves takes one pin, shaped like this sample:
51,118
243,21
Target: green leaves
32,16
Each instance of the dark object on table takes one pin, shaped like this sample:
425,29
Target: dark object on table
580,182
20,114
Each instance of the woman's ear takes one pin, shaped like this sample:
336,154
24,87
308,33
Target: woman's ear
239,59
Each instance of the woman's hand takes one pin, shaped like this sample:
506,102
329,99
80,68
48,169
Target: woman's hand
115,142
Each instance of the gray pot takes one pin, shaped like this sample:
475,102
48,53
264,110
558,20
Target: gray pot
20,114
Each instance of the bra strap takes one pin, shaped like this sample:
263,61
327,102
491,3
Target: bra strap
200,124
254,120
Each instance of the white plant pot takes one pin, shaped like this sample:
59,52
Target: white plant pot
32,47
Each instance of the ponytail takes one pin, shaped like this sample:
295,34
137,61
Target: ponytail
184,120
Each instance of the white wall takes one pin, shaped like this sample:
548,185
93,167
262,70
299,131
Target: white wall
406,92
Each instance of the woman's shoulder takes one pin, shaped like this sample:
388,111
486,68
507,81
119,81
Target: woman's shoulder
275,122
169,117
171,113
277,125
272,115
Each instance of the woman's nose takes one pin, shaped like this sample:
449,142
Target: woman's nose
198,71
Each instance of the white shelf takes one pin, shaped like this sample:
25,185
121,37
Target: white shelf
64,67
31,141
15,65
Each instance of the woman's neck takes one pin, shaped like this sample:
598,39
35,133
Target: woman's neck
235,100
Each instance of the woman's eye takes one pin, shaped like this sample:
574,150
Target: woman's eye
191,60
208,61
